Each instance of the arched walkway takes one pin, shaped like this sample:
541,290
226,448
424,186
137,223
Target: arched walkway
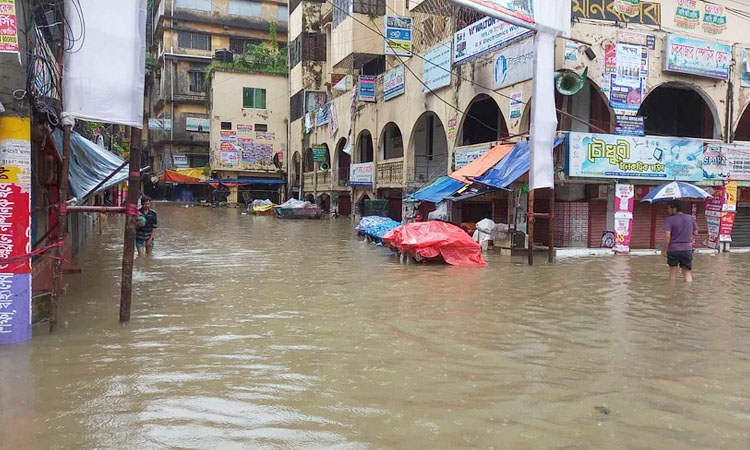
680,109
308,165
391,142
328,158
295,169
589,104
742,131
429,147
364,151
343,163
482,122
324,201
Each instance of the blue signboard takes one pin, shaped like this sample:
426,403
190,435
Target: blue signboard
626,125
694,57
367,88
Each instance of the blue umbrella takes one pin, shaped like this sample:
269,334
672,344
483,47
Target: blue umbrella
673,191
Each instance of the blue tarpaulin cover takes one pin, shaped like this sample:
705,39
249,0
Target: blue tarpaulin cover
510,168
89,164
438,190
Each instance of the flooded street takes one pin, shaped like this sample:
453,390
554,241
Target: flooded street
252,332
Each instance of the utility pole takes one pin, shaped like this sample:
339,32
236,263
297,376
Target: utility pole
131,216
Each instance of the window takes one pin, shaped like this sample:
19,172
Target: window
196,80
297,106
240,46
340,10
261,127
254,98
186,39
245,8
282,14
202,5
226,125
369,7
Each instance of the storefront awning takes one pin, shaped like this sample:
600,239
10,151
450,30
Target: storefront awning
89,164
176,177
510,168
245,181
482,164
195,172
438,190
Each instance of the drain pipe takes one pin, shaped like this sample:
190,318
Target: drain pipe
729,116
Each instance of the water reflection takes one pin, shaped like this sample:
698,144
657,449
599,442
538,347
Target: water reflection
249,332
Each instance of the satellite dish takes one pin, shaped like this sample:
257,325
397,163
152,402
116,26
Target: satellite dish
568,82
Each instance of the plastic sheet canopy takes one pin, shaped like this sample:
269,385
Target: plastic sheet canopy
89,164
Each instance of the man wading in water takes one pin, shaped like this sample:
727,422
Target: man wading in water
147,224
679,230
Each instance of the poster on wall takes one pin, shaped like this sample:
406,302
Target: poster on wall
695,57
198,124
8,27
323,115
629,125
398,35
243,128
315,100
227,136
624,200
436,71
514,64
482,36
714,19
629,62
624,96
632,157
571,51
516,105
361,174
393,82
687,15
726,162
452,129
367,88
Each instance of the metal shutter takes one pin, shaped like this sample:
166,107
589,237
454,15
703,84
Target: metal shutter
597,222
741,231
642,224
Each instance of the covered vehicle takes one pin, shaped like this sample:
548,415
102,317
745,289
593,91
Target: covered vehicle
297,209
375,227
261,207
434,239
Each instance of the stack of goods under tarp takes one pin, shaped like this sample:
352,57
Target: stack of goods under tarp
297,209
261,207
375,227
430,240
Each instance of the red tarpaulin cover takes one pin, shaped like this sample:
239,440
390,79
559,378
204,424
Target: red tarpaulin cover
176,177
435,238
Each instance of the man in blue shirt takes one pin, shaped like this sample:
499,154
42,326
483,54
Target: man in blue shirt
147,225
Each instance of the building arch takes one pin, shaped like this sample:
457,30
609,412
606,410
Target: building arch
391,142
428,149
365,150
328,156
590,105
677,108
343,162
483,121
296,168
308,163
742,128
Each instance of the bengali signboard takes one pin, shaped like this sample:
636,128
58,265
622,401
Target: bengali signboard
694,57
180,161
464,157
626,125
367,88
320,153
15,229
199,124
514,64
726,162
244,128
361,174
394,82
714,19
624,200
482,36
632,157
648,13
398,35
437,68
687,15
8,27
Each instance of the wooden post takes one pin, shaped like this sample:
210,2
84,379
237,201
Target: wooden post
551,217
530,225
62,229
131,216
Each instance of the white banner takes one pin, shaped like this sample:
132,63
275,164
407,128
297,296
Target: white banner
361,174
103,73
543,114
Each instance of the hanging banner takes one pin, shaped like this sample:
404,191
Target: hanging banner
514,64
15,229
629,8
624,96
8,27
714,19
726,162
627,125
398,32
393,82
333,124
687,15
656,159
436,71
482,36
516,105
367,88
694,57
315,100
624,200
323,115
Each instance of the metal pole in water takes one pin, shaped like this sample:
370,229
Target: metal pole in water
530,225
62,229
131,215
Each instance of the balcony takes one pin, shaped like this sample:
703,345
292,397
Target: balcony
308,181
390,173
324,180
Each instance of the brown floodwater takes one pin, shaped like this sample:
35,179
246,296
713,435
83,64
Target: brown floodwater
253,332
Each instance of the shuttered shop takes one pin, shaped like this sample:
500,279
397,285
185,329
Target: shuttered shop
741,231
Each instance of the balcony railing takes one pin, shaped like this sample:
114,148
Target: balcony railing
308,180
391,171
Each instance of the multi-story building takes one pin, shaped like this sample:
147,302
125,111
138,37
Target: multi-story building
673,70
185,36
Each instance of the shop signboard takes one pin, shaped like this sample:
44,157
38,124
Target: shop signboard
8,27
648,13
436,71
694,57
398,35
464,157
180,161
726,162
627,125
393,82
624,94
482,36
320,154
198,124
633,157
361,174
624,200
159,124
514,64
367,88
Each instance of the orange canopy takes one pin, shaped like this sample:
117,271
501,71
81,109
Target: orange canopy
176,177
482,164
